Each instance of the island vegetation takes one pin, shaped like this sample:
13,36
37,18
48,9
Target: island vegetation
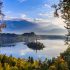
36,45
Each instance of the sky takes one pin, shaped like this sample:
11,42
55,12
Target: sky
28,8
37,11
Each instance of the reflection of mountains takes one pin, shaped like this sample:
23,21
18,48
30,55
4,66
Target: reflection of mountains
9,39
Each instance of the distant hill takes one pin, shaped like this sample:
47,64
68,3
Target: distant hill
23,26
19,26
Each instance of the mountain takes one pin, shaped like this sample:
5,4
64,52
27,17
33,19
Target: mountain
23,26
51,29
19,26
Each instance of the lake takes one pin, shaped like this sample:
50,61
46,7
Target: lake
53,48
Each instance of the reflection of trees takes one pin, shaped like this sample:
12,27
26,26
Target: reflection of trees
7,39
7,45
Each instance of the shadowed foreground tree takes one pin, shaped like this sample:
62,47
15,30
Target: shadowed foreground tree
66,56
59,64
2,23
64,8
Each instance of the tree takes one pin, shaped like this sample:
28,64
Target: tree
52,67
6,67
59,64
66,56
14,68
1,68
64,7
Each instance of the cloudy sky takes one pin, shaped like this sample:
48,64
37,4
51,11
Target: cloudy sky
38,11
28,8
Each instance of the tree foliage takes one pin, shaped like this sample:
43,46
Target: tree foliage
64,8
11,63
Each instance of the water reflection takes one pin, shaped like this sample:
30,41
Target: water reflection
52,49
8,45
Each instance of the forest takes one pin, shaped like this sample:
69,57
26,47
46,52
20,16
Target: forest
62,62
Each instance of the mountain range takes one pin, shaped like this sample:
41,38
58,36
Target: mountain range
23,26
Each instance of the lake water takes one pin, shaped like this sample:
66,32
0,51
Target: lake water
53,48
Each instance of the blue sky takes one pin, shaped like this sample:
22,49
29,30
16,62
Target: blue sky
29,8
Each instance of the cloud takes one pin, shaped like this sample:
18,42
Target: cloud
49,15
49,18
24,52
21,1
41,20
43,14
46,5
23,16
56,21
